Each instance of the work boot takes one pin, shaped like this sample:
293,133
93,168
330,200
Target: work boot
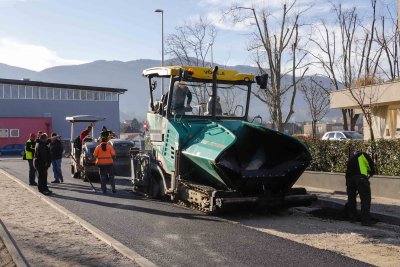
55,182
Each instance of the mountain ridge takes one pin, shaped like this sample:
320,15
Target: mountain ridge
128,75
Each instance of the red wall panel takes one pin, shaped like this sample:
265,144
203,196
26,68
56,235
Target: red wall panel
25,126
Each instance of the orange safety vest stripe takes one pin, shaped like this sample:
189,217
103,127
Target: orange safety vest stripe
104,157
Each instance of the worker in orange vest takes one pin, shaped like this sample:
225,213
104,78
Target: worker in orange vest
104,154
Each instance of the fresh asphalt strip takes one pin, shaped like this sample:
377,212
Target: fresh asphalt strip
339,205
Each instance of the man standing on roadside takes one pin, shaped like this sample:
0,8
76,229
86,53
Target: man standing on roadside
56,150
104,154
360,168
29,151
42,161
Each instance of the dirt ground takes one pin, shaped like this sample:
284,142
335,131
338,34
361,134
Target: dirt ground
47,237
378,245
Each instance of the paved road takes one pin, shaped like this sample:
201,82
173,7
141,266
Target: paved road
169,235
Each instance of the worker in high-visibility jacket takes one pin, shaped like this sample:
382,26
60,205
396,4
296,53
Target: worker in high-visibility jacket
104,154
360,168
29,151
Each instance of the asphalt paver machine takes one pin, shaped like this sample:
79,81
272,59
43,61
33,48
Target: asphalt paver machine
206,153
82,160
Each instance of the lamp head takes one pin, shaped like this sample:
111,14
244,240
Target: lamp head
159,10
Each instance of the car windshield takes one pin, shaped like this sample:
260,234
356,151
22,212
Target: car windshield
194,99
353,135
123,146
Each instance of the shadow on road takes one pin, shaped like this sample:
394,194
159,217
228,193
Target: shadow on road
134,208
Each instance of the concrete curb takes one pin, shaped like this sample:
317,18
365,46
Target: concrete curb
336,204
12,247
118,246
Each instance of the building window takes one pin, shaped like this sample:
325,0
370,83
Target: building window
114,96
83,94
3,133
7,94
96,96
70,94
14,91
77,94
108,96
35,92
57,93
102,96
1,91
49,94
90,95
28,91
64,94
42,93
14,132
21,91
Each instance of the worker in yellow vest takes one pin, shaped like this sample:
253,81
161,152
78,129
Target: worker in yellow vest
360,167
29,151
104,154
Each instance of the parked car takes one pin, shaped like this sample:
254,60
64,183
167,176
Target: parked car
13,149
342,135
122,161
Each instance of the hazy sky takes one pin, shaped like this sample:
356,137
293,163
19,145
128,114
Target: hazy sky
38,34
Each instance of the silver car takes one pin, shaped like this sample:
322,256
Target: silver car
342,135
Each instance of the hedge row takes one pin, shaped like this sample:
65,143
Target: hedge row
332,156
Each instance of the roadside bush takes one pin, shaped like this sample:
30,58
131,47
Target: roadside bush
332,156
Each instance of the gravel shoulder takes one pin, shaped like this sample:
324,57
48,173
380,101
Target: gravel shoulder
48,238
5,257
378,245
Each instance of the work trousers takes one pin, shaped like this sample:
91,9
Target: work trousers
57,170
360,184
32,172
106,171
42,180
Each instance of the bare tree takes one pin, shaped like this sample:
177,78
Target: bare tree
389,39
273,45
317,97
190,44
356,59
335,59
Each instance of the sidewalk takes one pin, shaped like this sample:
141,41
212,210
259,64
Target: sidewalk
46,237
384,209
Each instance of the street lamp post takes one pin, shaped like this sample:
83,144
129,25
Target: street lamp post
210,45
212,59
162,44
